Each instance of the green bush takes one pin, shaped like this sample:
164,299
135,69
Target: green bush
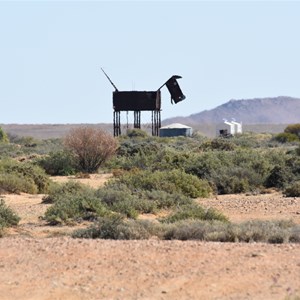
25,175
164,200
174,181
136,133
194,212
58,192
295,234
16,183
238,171
201,230
286,137
74,208
275,232
104,228
293,129
58,163
8,217
250,231
117,228
123,201
222,144
279,177
292,190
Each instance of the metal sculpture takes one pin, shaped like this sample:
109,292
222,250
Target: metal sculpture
138,101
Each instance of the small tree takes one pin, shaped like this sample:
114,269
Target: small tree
91,147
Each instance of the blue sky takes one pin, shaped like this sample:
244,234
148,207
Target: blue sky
51,53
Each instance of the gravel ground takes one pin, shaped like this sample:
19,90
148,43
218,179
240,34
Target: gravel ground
64,268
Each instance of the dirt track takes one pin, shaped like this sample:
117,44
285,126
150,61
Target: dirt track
35,265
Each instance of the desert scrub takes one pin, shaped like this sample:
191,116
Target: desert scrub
3,136
118,228
75,208
174,181
237,171
90,147
16,183
8,217
275,232
22,177
58,192
251,231
165,200
194,212
292,190
58,163
279,177
120,199
201,230
222,144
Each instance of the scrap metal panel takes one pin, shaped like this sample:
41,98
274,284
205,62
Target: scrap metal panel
136,100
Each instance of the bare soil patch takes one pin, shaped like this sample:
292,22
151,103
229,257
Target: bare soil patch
38,262
244,207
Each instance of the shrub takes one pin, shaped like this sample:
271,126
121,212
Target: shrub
71,188
264,231
293,129
58,163
117,228
90,147
136,133
279,176
174,181
293,190
194,212
74,208
34,175
201,230
164,200
104,228
250,231
218,144
16,183
122,200
295,234
286,137
3,136
8,217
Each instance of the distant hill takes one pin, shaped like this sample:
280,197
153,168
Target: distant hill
269,115
279,110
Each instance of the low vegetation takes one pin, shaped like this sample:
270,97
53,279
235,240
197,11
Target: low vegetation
158,176
8,217
252,231
17,177
90,147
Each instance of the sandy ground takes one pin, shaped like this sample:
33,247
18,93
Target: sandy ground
40,262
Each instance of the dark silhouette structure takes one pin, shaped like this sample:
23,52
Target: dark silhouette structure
138,101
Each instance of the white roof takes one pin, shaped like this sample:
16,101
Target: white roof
174,126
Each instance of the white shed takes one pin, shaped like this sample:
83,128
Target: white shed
225,129
238,127
228,128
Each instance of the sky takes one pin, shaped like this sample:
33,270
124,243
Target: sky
51,54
